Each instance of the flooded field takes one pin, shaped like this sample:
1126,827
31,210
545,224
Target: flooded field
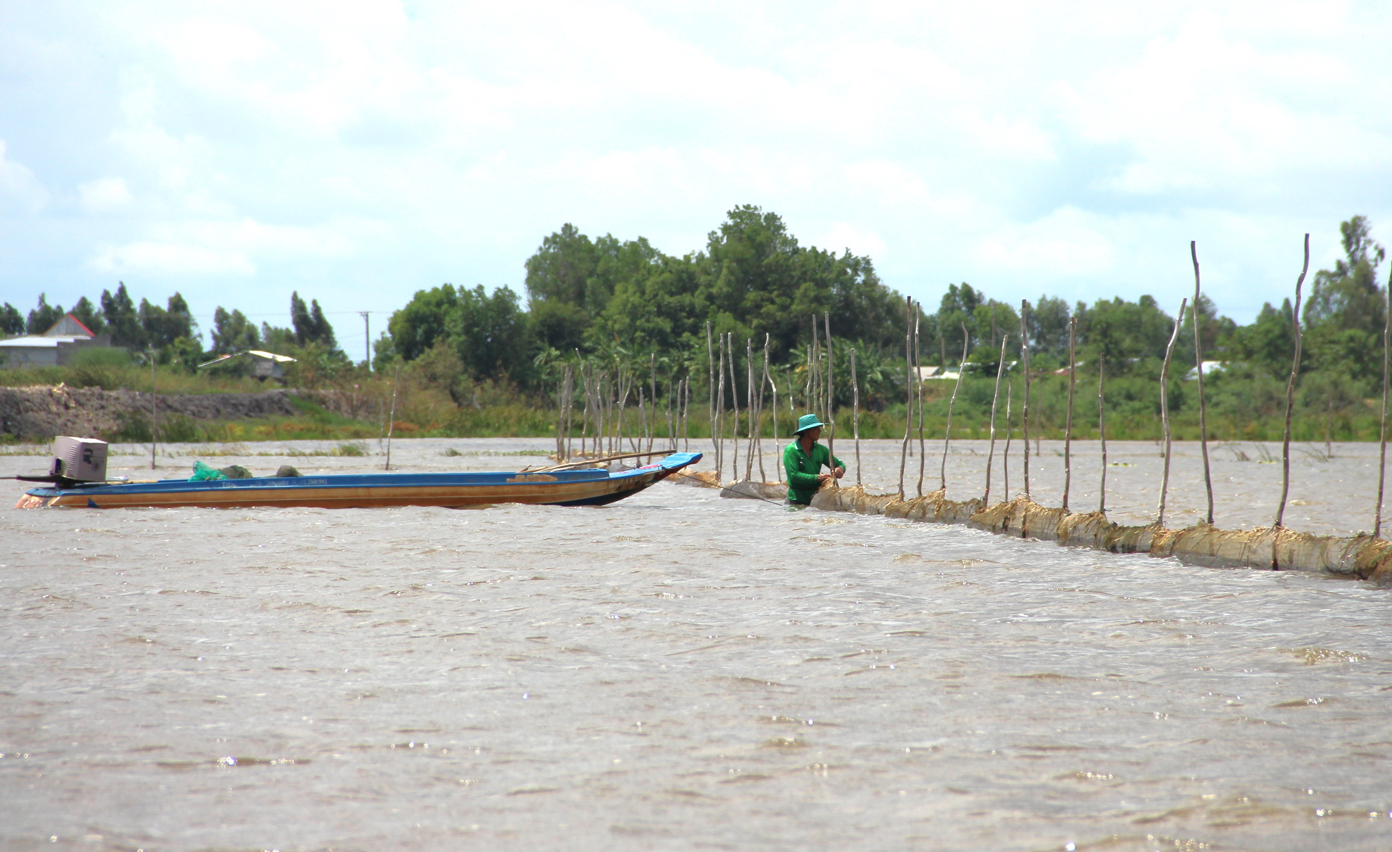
678,671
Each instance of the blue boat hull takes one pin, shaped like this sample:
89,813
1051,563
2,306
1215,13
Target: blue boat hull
379,490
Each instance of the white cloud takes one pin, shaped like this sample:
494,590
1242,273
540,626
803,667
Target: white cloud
1017,146
107,195
20,190
167,257
846,237
233,248
1066,242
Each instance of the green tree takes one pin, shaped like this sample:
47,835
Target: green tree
1048,325
492,335
233,332
957,308
43,317
657,312
1268,344
751,278
416,327
163,326
310,324
1345,312
561,268
11,322
1123,334
122,318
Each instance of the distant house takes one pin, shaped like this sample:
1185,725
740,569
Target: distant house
1208,367
54,348
264,365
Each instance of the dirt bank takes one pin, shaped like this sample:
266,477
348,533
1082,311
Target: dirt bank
40,413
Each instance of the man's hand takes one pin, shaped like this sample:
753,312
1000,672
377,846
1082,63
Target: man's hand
840,472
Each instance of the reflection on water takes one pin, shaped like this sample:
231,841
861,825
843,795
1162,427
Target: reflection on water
681,671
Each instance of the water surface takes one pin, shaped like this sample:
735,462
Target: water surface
678,671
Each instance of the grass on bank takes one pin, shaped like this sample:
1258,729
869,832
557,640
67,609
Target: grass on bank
356,405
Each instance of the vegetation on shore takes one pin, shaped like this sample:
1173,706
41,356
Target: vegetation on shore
465,362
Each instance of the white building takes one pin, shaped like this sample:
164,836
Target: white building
53,348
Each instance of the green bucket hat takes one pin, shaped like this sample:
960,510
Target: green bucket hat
808,421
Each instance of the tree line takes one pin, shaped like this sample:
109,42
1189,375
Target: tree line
624,303
172,333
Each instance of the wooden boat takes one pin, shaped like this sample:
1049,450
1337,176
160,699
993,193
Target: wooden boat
589,487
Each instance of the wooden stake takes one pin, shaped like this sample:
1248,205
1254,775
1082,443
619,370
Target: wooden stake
719,425
830,399
1382,434
908,389
1024,412
1102,432
652,422
154,409
1165,411
855,414
951,403
1290,399
995,398
710,372
749,405
1005,454
1198,365
918,398
560,420
1068,424
734,408
391,418
759,441
778,468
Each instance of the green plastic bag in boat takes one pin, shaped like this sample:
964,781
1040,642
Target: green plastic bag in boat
203,472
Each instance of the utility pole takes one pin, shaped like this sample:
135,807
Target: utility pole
367,340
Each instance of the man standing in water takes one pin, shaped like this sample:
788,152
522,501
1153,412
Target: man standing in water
803,460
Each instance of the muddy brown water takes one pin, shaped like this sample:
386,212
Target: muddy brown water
678,671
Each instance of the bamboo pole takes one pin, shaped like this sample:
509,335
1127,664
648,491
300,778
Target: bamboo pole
778,468
951,403
1005,454
995,398
1382,434
652,423
641,454
154,409
918,398
814,400
1024,411
830,399
1068,423
560,420
734,408
908,390
749,405
677,393
391,418
719,425
1290,398
1165,410
855,414
710,374
570,410
1198,365
763,380
1102,432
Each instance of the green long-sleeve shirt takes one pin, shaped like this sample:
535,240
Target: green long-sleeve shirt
803,468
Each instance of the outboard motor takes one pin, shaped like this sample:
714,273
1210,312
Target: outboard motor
78,460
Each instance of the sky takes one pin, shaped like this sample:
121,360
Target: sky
357,152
